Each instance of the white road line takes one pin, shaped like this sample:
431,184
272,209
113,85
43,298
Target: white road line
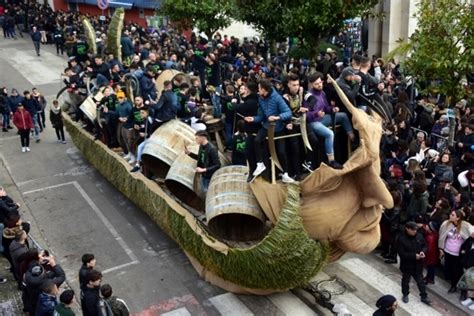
289,304
178,312
49,187
354,304
120,266
385,285
102,217
229,305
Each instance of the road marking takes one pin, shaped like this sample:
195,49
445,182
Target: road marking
178,312
229,305
289,304
102,217
385,285
37,70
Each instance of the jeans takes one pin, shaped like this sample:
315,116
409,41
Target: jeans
216,103
36,126
6,120
59,132
205,183
453,270
229,129
37,47
320,128
430,272
140,150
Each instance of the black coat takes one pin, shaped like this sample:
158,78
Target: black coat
467,253
90,301
208,158
56,118
249,108
408,247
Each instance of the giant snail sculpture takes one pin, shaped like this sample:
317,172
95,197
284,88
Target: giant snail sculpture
262,237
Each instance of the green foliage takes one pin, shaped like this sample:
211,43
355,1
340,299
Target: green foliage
308,20
114,34
206,15
441,51
90,35
286,258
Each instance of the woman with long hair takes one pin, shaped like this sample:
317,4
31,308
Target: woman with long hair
452,234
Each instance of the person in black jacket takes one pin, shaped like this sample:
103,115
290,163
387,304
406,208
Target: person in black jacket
249,107
33,107
56,119
90,295
145,130
412,249
167,106
37,274
88,264
36,37
207,158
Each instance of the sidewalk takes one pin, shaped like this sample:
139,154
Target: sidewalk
10,297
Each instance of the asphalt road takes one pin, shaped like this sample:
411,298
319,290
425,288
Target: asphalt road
74,210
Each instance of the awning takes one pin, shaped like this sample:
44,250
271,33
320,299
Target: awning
127,4
147,4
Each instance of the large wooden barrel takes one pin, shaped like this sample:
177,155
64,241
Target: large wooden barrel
182,182
168,74
165,145
232,211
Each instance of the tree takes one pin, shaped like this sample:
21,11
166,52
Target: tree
440,53
307,20
206,15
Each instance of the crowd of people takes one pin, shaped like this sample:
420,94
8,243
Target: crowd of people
42,280
250,90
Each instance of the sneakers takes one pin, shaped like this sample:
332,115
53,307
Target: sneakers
23,149
335,165
286,178
59,141
260,168
132,160
471,307
308,165
391,260
38,140
27,149
135,169
2,280
4,129
405,299
127,156
426,300
63,142
467,302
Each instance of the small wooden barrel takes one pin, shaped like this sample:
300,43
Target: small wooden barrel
232,211
181,181
214,125
168,74
165,145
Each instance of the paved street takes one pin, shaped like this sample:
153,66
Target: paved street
74,210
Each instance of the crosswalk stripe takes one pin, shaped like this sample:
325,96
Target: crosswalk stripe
178,312
354,304
229,305
289,304
383,284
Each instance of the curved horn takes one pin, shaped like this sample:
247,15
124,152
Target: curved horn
304,132
271,145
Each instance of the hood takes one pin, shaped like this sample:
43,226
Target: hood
348,71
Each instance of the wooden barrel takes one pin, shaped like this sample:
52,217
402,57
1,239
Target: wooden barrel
168,74
89,107
214,125
232,211
182,182
165,145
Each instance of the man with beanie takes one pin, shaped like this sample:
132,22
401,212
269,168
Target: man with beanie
412,249
386,305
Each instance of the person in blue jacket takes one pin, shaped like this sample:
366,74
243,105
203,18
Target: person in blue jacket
271,109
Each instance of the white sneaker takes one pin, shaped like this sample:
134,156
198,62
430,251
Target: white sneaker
132,161
467,302
471,307
23,149
260,168
28,149
127,156
286,178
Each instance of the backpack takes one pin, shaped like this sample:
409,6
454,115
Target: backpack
104,308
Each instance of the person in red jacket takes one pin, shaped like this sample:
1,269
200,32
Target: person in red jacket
24,123
430,232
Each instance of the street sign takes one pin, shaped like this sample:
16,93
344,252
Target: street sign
103,4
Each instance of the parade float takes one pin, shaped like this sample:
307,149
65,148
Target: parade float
255,238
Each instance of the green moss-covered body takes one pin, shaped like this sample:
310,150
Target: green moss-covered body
286,258
90,35
114,34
